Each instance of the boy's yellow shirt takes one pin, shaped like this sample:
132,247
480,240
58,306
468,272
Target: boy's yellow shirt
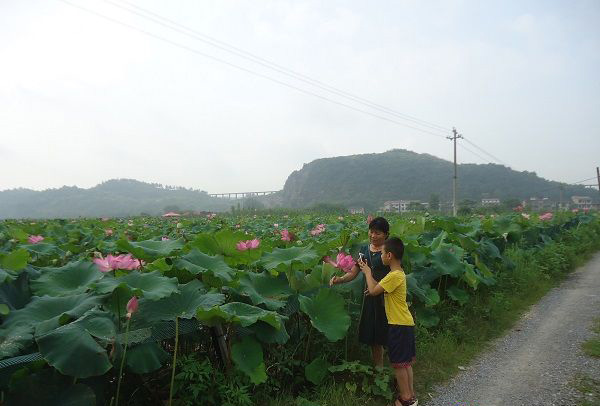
396,309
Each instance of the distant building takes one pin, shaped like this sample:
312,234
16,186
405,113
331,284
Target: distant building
538,203
403,206
357,210
490,202
581,202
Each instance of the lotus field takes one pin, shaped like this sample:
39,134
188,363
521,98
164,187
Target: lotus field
100,311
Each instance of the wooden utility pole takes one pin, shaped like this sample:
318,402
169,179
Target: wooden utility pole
598,174
455,136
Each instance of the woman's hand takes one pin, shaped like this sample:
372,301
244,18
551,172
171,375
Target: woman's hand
335,280
363,266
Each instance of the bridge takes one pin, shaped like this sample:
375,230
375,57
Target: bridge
242,195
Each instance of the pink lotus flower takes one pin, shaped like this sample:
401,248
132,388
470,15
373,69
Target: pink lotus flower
575,210
275,225
122,261
546,216
525,215
164,238
34,239
318,229
369,219
237,225
247,245
108,232
345,262
519,208
286,235
132,306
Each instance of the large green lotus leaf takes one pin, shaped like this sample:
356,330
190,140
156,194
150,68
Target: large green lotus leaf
458,294
320,275
415,254
247,355
483,268
327,313
423,291
282,259
446,262
426,317
15,340
466,242
197,262
47,313
264,288
72,348
184,304
237,312
150,249
152,285
73,278
43,249
317,370
146,358
7,276
269,334
220,243
15,260
489,250
437,241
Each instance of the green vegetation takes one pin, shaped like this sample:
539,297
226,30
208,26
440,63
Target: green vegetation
245,300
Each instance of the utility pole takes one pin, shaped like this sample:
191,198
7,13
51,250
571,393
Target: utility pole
455,136
598,174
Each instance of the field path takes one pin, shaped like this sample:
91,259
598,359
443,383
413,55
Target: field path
536,362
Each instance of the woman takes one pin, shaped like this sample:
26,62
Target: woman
372,329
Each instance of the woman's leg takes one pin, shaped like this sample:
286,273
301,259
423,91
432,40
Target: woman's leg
377,352
410,381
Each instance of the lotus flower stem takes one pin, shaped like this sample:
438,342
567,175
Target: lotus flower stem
123,361
174,360
307,343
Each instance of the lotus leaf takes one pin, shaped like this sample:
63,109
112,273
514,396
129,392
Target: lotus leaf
247,355
152,285
183,304
327,313
73,278
237,312
264,288
317,370
150,250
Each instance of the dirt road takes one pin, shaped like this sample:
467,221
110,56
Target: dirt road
537,361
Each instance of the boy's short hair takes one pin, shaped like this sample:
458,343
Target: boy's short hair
395,246
380,224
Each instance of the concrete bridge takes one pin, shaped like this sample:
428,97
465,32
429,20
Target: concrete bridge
242,195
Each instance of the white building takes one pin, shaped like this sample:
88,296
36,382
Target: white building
402,206
490,202
581,202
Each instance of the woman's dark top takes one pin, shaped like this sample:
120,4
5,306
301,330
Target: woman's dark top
373,326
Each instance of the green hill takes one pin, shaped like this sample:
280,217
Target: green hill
367,180
122,197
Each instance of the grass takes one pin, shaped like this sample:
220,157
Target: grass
589,389
592,346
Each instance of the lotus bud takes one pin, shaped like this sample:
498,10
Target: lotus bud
132,306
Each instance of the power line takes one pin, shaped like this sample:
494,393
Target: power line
189,49
563,185
486,160
498,160
174,25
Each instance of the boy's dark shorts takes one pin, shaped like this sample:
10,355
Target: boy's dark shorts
401,345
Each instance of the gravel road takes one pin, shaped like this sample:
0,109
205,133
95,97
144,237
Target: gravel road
537,361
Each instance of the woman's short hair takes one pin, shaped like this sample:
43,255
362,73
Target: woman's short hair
380,224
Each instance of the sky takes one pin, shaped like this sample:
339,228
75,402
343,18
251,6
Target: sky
90,91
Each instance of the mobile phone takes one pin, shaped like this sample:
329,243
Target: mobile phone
361,256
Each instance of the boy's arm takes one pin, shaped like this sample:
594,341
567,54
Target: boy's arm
373,287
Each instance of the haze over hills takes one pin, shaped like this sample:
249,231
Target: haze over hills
365,180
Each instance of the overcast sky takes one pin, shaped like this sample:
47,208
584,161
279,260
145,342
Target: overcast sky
84,99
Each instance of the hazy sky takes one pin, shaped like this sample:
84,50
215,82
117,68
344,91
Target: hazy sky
83,99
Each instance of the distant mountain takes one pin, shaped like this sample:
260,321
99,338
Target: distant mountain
367,180
119,197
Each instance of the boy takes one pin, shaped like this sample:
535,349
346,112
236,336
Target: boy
401,331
